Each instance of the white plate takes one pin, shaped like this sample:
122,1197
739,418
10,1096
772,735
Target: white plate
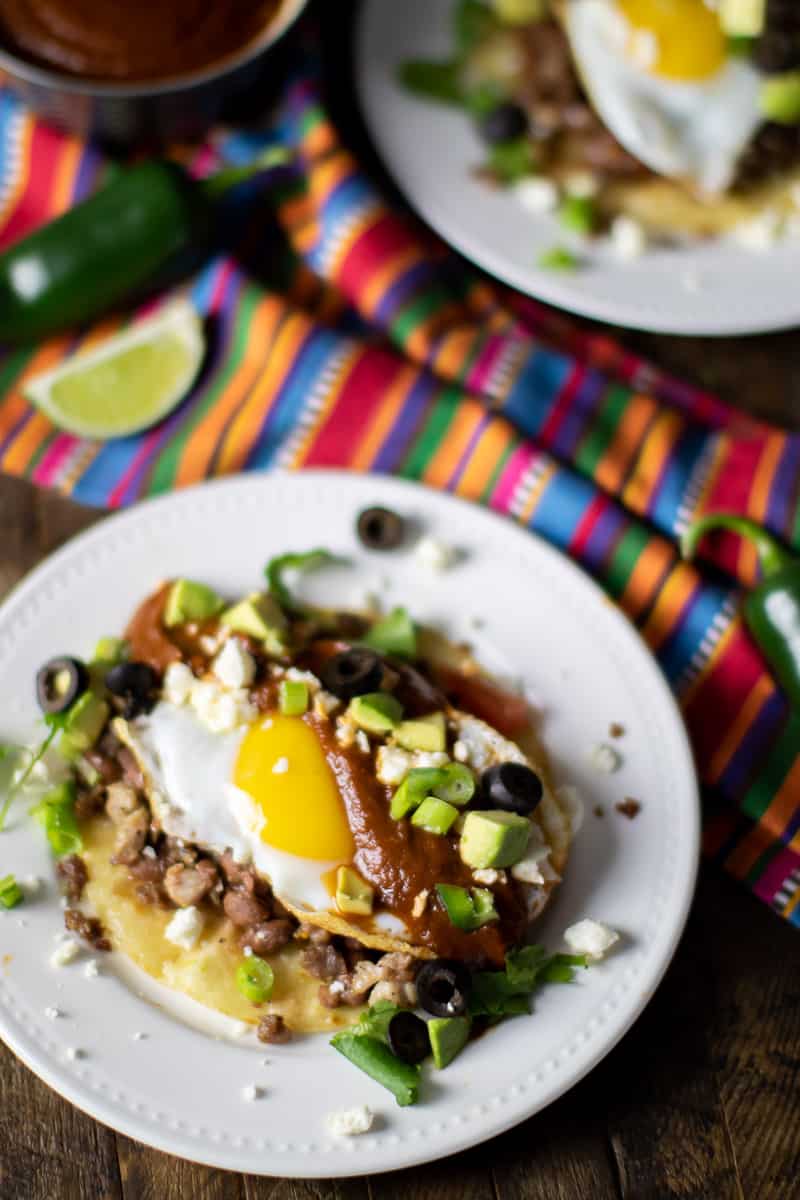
180,1089
715,288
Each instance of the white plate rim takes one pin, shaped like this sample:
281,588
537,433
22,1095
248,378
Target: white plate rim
563,290
343,1161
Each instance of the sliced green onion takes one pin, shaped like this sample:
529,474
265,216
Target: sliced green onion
56,814
456,784
434,80
255,979
293,697
558,258
10,892
375,1059
467,910
513,160
418,783
435,816
276,567
578,214
395,634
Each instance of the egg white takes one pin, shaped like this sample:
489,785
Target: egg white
189,772
693,130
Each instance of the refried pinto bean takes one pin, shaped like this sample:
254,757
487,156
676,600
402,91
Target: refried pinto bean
323,962
74,875
88,928
244,910
273,1030
186,886
268,937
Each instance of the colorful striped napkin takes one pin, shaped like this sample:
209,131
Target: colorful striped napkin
344,335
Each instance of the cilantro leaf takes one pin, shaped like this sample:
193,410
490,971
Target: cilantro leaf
507,993
375,1021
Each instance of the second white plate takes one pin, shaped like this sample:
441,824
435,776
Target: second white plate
713,288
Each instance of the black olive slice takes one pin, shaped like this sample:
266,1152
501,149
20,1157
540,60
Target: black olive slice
134,685
408,1037
352,672
503,123
443,987
59,683
380,528
512,787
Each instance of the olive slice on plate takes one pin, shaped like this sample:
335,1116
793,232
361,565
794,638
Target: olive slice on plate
352,673
512,787
380,528
59,683
134,684
408,1037
503,123
443,987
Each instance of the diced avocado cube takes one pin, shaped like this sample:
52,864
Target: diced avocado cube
83,726
259,616
394,634
293,697
494,839
424,733
110,651
779,98
448,1036
191,601
376,712
743,18
435,816
353,894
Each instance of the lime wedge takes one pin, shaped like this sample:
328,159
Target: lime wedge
129,382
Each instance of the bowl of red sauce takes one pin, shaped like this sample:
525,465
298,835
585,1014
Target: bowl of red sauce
140,70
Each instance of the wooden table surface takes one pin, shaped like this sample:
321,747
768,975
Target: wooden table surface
699,1100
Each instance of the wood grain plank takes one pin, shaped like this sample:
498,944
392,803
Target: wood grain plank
462,1177
259,1188
48,1149
149,1175
755,1040
560,1154
665,1116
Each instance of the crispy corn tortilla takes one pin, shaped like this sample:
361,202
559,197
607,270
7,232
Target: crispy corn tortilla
207,973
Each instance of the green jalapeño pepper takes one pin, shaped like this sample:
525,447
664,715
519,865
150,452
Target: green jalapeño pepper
111,246
772,608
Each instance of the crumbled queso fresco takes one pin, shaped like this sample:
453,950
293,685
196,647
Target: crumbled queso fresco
592,938
185,928
349,1122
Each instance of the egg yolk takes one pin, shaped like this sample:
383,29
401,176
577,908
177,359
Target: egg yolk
678,39
282,767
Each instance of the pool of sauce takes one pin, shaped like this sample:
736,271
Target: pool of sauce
148,39
395,857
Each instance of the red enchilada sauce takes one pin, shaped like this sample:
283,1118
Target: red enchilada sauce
148,39
395,857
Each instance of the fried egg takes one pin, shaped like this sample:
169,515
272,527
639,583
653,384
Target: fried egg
663,81
261,787
264,791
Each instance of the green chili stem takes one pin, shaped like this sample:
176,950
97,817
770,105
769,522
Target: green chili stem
771,554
